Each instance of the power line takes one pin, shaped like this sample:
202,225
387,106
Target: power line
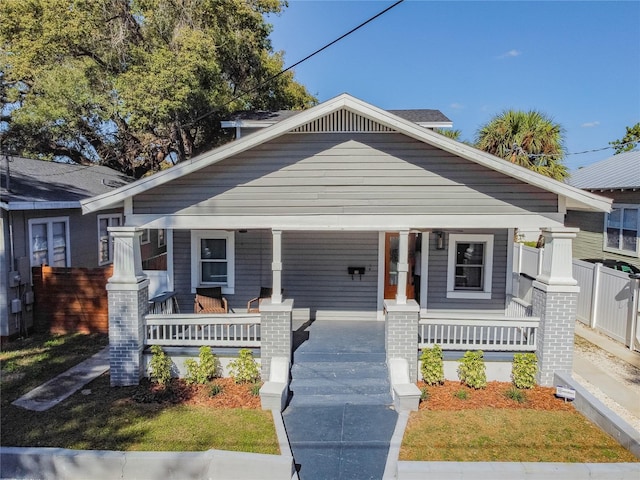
281,72
538,155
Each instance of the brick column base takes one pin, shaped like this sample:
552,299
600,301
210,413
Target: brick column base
128,304
401,333
557,312
276,334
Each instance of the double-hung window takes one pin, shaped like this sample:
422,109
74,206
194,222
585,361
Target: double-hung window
212,259
470,267
622,229
105,241
49,242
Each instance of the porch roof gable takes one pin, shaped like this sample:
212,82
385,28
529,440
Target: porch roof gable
574,198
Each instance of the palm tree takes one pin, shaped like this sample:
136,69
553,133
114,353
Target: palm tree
530,139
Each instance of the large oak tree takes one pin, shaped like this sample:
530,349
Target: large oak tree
133,84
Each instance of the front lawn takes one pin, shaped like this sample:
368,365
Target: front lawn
122,418
460,424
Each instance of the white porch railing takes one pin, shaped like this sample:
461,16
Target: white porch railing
214,330
479,333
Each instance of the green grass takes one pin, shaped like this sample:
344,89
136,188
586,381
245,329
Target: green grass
107,418
502,435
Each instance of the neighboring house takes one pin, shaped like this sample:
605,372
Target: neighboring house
614,235
42,223
329,206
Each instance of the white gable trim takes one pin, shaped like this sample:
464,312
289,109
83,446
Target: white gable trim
575,197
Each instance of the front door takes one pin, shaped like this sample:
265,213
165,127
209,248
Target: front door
392,241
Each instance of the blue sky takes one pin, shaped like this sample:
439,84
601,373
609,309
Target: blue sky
576,61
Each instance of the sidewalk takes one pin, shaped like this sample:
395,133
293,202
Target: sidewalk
622,387
64,385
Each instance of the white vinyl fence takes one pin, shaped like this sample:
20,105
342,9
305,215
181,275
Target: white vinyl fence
608,299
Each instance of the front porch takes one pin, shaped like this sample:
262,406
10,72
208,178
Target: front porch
409,327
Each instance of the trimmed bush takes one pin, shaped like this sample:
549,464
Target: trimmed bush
472,370
206,369
160,366
432,365
244,369
524,369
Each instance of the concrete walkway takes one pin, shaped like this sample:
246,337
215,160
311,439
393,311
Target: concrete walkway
340,420
603,380
66,384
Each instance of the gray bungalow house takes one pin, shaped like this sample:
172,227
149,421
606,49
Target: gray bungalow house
345,211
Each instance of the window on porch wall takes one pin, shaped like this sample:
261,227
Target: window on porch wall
212,260
470,266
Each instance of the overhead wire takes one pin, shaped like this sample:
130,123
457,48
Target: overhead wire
283,71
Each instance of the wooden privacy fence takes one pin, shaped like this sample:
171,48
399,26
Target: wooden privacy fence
71,300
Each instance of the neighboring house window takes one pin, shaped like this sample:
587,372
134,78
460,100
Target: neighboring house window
105,241
145,237
622,229
212,259
470,269
49,242
162,241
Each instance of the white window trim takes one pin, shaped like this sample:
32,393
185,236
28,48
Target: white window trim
145,233
162,244
618,251
50,221
488,266
109,217
196,236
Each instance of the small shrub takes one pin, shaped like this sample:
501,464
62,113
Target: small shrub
524,369
206,369
432,365
424,394
244,369
160,366
215,389
461,394
472,371
516,395
255,389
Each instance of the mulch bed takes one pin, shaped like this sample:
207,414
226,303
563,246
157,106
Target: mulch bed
233,395
443,397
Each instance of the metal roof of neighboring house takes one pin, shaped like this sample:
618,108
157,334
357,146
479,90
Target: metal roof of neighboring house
619,172
259,118
37,181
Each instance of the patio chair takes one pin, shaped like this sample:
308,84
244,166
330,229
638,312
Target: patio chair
253,305
210,300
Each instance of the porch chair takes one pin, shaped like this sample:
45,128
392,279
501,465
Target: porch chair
210,300
265,292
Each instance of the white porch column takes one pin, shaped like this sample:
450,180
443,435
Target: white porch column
403,267
127,259
128,294
276,267
555,301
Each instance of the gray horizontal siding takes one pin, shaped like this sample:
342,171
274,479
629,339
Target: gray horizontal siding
314,270
438,265
344,174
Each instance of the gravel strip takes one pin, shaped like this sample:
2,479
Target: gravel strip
618,369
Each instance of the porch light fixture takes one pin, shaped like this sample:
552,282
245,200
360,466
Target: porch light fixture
439,240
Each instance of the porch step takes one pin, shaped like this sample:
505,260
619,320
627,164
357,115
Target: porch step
338,357
333,399
324,386
333,370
